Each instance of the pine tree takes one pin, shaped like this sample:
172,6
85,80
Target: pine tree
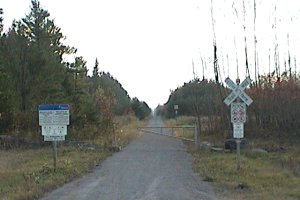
1,21
6,109
46,62
95,77
33,58
96,69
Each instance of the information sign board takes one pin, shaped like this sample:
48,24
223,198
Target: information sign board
54,120
238,112
54,115
55,130
238,130
54,138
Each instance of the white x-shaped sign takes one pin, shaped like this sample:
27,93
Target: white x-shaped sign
238,91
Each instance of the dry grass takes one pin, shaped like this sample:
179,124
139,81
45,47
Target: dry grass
29,173
262,176
127,130
181,120
184,127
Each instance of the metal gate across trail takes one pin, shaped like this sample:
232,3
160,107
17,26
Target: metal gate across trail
185,132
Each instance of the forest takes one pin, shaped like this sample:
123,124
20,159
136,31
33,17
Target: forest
274,114
33,72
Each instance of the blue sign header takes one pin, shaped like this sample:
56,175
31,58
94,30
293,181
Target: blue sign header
54,107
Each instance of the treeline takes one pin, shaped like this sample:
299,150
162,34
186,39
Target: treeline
275,89
201,99
33,72
274,114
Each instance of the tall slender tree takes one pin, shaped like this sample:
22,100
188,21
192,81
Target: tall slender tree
95,77
215,61
96,69
33,55
17,52
6,108
256,71
289,57
1,20
47,51
245,40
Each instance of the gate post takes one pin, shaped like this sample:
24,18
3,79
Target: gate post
196,137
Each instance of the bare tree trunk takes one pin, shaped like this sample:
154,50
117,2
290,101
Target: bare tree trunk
194,74
245,39
276,50
216,71
228,66
197,111
289,57
215,61
269,76
237,60
203,66
255,42
295,60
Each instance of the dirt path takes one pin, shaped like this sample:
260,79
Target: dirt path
152,167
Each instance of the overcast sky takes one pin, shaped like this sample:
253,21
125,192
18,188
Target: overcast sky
149,45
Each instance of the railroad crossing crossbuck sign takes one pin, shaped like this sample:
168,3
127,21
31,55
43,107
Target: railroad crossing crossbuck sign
238,109
238,91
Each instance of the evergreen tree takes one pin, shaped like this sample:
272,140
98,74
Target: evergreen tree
17,52
6,110
33,59
141,109
96,69
112,87
1,21
32,72
95,77
46,56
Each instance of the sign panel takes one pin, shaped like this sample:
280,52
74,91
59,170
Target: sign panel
54,130
238,113
54,115
245,98
238,130
230,83
54,138
238,91
245,83
45,117
231,97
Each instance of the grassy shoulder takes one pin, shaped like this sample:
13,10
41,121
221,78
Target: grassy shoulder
29,173
263,175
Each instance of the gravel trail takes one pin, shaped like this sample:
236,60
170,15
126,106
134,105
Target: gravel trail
153,167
